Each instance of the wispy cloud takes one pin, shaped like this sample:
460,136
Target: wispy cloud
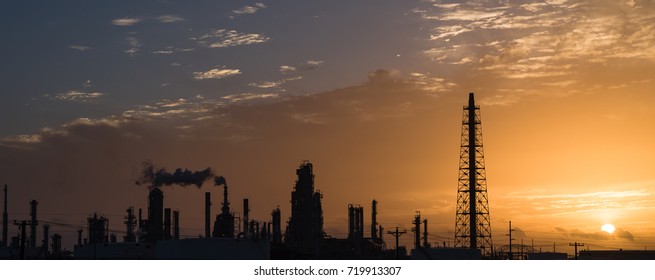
223,38
216,73
249,96
169,18
78,96
248,9
79,47
125,21
543,41
134,45
274,84
307,65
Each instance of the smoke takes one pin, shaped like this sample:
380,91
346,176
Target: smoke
157,177
219,180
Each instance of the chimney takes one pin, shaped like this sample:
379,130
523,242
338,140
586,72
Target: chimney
208,204
176,224
46,239
417,230
5,221
426,244
245,217
155,215
79,237
360,230
167,223
351,221
33,223
374,213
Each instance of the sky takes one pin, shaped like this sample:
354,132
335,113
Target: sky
371,92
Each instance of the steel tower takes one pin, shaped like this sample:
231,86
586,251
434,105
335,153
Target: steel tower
472,226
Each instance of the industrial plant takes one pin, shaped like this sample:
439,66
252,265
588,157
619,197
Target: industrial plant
154,233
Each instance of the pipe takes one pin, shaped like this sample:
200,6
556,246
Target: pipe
5,221
167,223
176,224
33,223
208,204
245,217
426,244
374,213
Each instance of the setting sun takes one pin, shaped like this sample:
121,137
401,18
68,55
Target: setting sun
609,228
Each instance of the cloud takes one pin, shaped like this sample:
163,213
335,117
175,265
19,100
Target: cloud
125,21
134,45
537,41
249,9
79,47
216,73
274,84
307,65
223,38
169,18
78,96
250,96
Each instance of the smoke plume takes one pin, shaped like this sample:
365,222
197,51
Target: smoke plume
219,180
157,177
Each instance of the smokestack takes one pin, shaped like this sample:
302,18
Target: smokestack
360,229
417,231
46,239
351,221
79,237
5,221
167,223
245,217
208,204
56,243
33,223
426,244
374,213
176,225
155,215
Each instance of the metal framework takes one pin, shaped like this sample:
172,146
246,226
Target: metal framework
472,223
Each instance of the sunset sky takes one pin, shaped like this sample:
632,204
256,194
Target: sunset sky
371,92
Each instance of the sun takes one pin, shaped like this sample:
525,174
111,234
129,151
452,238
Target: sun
609,228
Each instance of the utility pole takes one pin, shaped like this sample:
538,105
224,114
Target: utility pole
511,256
397,233
575,245
5,221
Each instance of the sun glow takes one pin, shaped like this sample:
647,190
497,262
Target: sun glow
609,228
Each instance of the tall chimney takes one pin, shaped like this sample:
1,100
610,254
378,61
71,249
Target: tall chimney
208,204
46,240
417,230
245,217
5,221
167,223
374,213
426,244
351,221
360,230
34,223
176,224
155,215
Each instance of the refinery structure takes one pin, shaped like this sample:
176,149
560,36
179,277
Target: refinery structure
155,232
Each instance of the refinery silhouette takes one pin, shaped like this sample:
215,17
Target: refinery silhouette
229,236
